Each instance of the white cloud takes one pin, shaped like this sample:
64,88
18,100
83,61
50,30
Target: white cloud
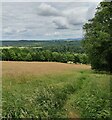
76,16
52,34
10,30
91,11
61,23
52,0
64,18
47,10
44,20
22,30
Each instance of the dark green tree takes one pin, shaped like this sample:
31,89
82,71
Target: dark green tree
12,54
98,38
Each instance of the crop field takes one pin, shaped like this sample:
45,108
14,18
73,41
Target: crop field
54,90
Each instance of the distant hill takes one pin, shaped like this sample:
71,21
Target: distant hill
37,42
65,45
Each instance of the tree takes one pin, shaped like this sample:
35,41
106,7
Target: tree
76,58
70,57
12,54
83,58
47,55
98,38
55,56
19,57
28,57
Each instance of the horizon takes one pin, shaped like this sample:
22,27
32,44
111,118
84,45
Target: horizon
63,39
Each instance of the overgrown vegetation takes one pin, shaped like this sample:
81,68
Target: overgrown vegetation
81,92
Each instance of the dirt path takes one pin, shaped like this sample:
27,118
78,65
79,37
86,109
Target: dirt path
73,115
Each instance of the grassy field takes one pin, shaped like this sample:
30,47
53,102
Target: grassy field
54,90
8,47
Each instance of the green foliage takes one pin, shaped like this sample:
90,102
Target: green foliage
53,45
48,96
32,54
57,51
98,38
92,101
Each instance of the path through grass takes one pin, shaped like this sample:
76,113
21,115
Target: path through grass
69,93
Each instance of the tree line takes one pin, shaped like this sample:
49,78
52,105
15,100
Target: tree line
52,45
98,38
33,54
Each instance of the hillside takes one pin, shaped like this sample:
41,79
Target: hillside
54,90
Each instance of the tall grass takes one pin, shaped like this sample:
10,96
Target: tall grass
81,92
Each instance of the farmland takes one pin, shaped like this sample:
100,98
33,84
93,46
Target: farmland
54,90
61,67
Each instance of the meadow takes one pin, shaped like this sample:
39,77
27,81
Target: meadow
54,90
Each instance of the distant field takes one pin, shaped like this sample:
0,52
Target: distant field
54,90
8,47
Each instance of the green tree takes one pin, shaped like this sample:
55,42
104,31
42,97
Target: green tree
98,38
12,54
19,57
47,55
55,56
6,54
83,58
76,58
70,57
28,57
1,54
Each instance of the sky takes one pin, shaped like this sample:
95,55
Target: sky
45,20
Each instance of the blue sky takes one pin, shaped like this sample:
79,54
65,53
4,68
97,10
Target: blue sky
45,20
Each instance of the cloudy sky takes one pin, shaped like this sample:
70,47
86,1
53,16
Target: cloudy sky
45,20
